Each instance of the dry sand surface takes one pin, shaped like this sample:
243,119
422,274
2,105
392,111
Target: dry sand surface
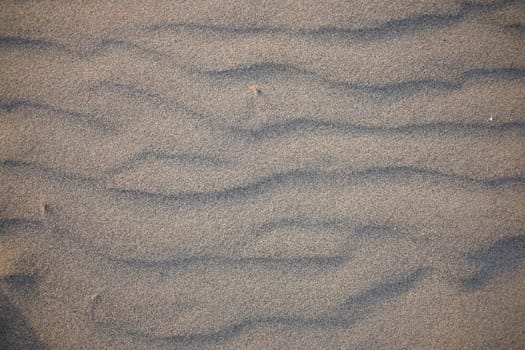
217,174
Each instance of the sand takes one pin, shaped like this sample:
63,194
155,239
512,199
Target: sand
262,175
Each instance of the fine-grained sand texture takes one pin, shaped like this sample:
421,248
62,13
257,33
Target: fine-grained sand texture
262,174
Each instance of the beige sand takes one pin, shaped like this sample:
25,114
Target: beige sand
262,175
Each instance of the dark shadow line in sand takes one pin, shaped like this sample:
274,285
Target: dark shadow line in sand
179,158
296,264
287,263
51,173
15,331
140,94
26,285
13,42
338,225
411,87
517,27
356,308
504,255
277,129
298,125
269,183
7,224
93,49
388,30
87,119
264,70
386,290
318,178
345,228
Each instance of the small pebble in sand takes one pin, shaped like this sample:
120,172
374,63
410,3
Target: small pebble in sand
255,90
491,119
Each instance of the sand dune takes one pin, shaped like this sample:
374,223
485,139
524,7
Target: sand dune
262,175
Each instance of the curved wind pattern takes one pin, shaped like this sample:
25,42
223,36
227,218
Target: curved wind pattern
262,175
